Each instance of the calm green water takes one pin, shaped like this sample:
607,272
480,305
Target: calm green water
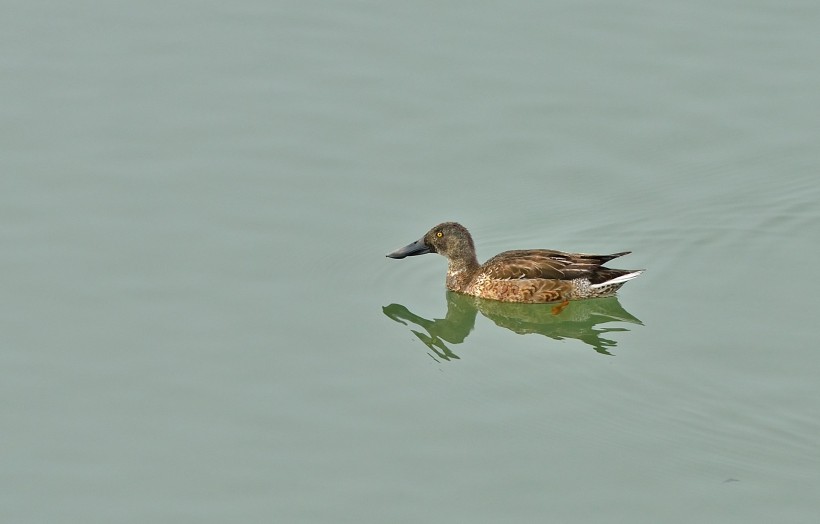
199,323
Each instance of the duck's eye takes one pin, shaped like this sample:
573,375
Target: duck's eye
439,234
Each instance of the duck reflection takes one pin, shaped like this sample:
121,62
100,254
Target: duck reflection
581,319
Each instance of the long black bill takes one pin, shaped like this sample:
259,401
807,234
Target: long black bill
416,248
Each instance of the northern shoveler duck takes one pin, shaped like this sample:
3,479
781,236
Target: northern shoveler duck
532,275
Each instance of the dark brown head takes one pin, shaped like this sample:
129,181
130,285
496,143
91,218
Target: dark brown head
450,239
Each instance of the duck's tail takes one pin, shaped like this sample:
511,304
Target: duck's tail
615,277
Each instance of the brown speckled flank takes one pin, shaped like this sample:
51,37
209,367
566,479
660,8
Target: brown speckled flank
532,275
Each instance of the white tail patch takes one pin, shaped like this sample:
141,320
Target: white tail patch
618,280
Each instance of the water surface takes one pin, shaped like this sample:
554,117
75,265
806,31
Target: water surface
200,325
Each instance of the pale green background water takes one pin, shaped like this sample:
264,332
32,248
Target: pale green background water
199,323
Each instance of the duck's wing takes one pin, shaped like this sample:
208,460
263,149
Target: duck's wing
544,264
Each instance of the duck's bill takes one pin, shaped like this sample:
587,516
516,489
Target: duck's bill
416,248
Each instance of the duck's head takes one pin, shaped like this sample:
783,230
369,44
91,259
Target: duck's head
450,239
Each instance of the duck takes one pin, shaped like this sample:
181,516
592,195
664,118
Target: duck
525,276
